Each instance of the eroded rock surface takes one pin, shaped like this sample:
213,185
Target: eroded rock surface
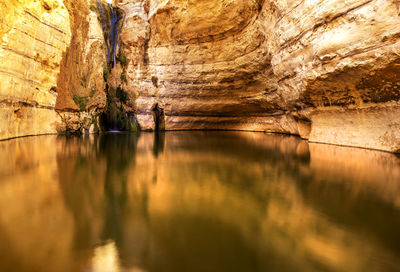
340,59
267,65
325,70
81,88
33,35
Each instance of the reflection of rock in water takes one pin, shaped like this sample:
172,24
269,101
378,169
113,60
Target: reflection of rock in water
34,222
117,199
159,142
265,198
106,160
366,177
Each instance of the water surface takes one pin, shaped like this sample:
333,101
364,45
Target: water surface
196,201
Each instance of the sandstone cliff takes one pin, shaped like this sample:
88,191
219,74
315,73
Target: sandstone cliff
80,85
325,70
33,35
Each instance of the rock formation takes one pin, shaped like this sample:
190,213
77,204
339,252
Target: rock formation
33,35
325,70
81,88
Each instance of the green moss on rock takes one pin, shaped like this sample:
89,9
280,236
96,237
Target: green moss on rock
106,73
122,59
123,76
122,95
80,101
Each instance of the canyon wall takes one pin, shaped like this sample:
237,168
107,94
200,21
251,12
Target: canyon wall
325,70
80,85
337,63
33,35
51,63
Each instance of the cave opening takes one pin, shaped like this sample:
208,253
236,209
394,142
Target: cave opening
115,116
159,117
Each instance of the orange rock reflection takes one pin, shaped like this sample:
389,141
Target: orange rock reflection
188,201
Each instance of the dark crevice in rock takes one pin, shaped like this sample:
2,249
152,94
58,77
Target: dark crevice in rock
116,116
154,80
159,117
146,52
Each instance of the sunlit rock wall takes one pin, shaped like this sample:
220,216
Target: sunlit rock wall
52,58
205,62
81,88
33,35
267,65
325,70
338,63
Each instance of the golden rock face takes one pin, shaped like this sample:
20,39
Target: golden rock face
272,65
268,65
33,35
83,62
177,21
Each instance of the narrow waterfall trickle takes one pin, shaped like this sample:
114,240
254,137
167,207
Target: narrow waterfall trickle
113,36
109,19
116,116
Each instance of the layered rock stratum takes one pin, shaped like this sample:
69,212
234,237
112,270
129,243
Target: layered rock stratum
33,36
325,70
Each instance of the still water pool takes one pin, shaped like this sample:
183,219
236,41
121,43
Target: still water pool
196,201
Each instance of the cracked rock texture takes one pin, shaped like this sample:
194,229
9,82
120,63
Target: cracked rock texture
325,70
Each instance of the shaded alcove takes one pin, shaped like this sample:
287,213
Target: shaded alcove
115,117
158,117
